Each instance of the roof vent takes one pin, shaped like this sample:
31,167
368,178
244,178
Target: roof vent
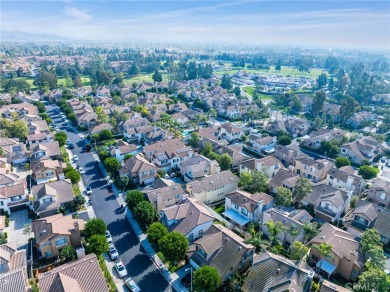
322,237
278,271
211,182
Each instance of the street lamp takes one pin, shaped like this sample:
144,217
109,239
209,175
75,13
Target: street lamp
190,268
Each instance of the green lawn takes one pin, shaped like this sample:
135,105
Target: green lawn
220,208
143,78
61,81
285,71
251,90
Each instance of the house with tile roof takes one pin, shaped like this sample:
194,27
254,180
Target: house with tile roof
82,275
283,178
45,150
329,204
47,170
121,149
327,286
14,281
54,232
345,258
230,132
242,207
291,219
360,119
366,215
49,197
12,259
328,135
314,170
13,150
35,127
138,134
379,193
139,170
103,126
5,167
13,197
269,165
38,138
272,272
288,154
211,135
235,152
346,178
260,145
190,217
222,249
213,188
198,166
163,197
366,148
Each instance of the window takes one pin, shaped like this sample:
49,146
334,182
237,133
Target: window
1,203
382,196
50,173
244,211
200,233
61,241
298,171
47,201
177,196
331,177
42,244
16,198
191,237
381,205
370,200
48,254
361,220
235,206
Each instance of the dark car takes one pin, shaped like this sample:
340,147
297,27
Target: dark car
70,146
186,280
88,148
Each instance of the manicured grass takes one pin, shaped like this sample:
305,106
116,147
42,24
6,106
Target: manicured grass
65,154
284,71
61,81
220,208
249,90
76,189
143,78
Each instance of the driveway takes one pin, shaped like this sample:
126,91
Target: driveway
137,262
17,221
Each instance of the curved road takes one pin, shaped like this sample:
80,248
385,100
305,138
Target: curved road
139,266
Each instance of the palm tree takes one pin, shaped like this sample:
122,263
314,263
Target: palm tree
309,231
274,228
257,241
325,250
294,232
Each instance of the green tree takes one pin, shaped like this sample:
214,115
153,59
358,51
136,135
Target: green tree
60,139
373,280
342,161
133,198
46,79
97,244
301,189
123,181
322,80
112,165
206,278
298,249
207,149
225,161
105,134
325,250
156,231
68,254
174,246
134,69
376,257
257,241
284,140
157,77
95,226
318,103
258,183
194,140
368,172
369,240
237,91
274,229
283,196
353,201
309,231
245,179
79,200
73,175
348,107
145,213
226,82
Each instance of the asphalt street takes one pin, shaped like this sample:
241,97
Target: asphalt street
138,264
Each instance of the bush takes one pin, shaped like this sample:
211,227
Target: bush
342,161
133,198
145,213
156,231
368,172
95,226
73,175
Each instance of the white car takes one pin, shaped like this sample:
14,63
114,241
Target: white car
112,252
108,236
120,268
132,285
81,170
75,158
88,190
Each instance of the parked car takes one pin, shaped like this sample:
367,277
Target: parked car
70,146
112,252
87,148
166,175
108,236
81,170
383,160
120,268
88,190
75,158
132,285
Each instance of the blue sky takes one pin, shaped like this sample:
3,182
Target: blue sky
324,23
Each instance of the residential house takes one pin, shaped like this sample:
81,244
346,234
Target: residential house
14,281
45,150
13,150
103,126
242,207
283,178
333,112
260,145
155,136
35,127
213,188
360,120
231,132
138,134
13,197
315,170
12,259
211,135
379,193
297,127
83,275
38,138
329,203
168,154
271,272
180,118
9,179
134,122
18,110
190,217
122,149
328,286
291,219
235,152
163,197
345,258
5,167
49,197
269,165
366,148
47,170
328,135
288,154
139,170
178,107
87,119
55,232
346,177
197,167
222,249
365,216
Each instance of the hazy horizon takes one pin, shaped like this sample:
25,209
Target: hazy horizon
341,24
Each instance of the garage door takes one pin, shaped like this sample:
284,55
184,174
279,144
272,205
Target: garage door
18,208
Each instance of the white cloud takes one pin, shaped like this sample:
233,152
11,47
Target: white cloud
77,14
